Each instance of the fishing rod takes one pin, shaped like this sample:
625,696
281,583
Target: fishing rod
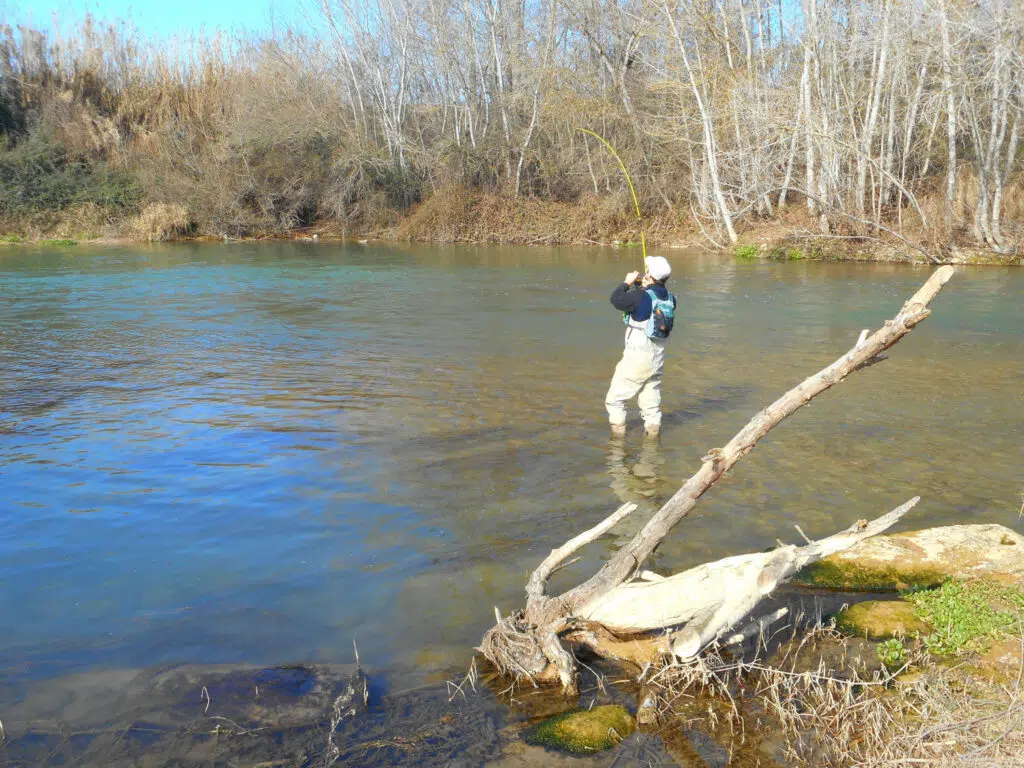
632,190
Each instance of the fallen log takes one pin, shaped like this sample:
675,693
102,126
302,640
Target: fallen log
624,612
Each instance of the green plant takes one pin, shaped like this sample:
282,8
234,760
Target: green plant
40,175
57,243
745,252
967,616
788,254
892,653
10,238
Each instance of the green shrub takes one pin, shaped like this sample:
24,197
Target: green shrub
783,253
746,252
39,175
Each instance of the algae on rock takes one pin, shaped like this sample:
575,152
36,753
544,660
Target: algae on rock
881,620
584,731
921,560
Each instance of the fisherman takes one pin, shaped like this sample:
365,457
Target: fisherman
648,312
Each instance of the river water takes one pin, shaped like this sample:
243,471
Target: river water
258,453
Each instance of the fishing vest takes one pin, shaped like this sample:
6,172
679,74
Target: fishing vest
659,325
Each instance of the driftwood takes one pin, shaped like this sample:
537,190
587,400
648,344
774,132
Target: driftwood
626,613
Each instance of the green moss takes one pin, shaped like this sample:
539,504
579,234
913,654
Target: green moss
10,239
57,243
968,617
881,619
584,731
745,252
851,576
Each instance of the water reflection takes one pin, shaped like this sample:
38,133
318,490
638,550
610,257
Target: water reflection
636,478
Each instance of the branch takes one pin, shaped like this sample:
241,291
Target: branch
710,598
539,578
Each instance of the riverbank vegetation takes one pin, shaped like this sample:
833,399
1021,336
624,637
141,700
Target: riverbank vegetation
819,700
833,124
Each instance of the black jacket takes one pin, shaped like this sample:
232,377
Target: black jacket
635,300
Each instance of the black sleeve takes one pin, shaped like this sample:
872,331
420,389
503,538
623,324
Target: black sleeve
626,297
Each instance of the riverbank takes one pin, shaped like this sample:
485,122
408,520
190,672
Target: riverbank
459,217
927,675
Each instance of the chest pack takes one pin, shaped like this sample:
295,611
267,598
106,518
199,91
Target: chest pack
663,316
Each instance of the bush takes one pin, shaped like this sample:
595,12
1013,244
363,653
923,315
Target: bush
161,221
38,175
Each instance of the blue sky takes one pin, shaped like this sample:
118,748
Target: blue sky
159,17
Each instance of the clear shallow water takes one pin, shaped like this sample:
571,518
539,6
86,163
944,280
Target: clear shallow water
256,453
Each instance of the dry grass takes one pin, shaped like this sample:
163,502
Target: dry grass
159,222
936,716
456,215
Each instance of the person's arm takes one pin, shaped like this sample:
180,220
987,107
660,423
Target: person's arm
626,296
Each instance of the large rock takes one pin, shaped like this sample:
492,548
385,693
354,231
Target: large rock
881,619
921,559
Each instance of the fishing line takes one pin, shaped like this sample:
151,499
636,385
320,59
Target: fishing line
632,190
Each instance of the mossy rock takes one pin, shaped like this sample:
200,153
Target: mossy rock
921,560
584,731
851,576
880,620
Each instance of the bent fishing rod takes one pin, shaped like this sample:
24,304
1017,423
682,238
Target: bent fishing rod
632,190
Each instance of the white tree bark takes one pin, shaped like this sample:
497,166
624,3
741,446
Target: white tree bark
947,85
707,128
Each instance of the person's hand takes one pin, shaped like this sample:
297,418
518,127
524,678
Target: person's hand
630,278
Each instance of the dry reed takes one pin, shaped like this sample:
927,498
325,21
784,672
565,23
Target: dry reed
937,715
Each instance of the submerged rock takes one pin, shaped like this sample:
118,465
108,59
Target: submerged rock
921,559
584,731
880,620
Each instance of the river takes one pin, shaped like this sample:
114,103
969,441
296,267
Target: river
258,453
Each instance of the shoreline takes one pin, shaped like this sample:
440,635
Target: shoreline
789,247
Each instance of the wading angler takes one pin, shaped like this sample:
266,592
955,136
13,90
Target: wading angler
648,312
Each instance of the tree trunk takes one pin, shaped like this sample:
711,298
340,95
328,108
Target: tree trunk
709,132
947,86
613,605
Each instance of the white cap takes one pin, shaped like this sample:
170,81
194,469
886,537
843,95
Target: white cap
658,267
